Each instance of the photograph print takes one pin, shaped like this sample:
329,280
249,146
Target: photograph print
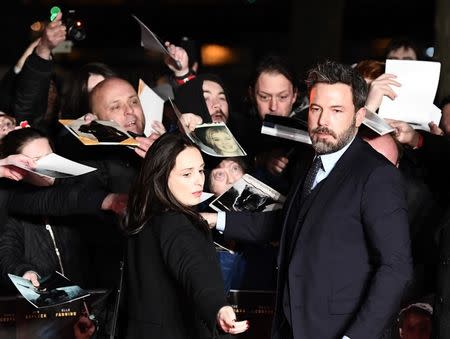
250,195
216,139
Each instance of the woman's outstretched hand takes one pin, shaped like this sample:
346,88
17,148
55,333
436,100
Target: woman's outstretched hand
226,320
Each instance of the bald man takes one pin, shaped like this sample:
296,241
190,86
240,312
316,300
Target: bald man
116,99
385,145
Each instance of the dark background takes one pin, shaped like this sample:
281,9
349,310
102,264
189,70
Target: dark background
249,27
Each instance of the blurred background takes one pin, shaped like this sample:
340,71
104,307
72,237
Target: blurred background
230,35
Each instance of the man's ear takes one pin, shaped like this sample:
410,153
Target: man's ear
360,114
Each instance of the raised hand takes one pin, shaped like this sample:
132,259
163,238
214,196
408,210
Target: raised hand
381,86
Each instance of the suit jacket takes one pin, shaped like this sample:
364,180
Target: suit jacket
174,284
344,252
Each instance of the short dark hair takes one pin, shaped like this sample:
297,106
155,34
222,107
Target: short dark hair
406,43
332,72
274,63
150,194
16,140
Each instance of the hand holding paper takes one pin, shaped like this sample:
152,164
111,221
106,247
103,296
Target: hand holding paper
179,54
414,100
32,277
56,166
380,87
190,121
404,133
12,167
151,42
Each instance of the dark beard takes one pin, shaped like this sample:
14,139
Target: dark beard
221,114
326,147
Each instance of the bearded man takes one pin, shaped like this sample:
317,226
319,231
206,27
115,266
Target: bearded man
344,256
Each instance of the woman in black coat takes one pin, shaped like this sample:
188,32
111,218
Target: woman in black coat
174,285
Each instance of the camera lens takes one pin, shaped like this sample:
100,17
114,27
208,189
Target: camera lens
76,33
75,27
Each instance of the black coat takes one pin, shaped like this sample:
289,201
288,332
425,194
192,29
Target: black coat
174,284
344,252
26,245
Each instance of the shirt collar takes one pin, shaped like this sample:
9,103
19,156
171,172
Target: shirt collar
329,160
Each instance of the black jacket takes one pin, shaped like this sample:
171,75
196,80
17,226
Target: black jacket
32,85
27,245
174,284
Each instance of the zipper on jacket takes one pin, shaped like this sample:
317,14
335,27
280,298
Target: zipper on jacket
58,254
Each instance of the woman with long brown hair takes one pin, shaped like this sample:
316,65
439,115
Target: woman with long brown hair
174,285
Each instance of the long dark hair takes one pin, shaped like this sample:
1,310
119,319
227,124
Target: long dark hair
16,140
150,194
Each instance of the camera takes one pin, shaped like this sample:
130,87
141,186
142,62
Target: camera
76,29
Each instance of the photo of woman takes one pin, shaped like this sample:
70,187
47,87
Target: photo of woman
219,140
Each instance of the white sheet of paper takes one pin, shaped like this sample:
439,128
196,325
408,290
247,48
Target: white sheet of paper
435,116
377,124
152,105
205,196
56,166
419,81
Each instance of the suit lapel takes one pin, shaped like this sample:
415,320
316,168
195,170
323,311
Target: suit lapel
291,200
315,205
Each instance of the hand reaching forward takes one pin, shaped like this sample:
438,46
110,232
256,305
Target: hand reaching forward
226,320
8,170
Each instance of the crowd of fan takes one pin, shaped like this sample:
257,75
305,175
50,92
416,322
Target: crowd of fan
72,225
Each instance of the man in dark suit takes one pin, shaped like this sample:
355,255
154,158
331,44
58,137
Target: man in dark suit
344,255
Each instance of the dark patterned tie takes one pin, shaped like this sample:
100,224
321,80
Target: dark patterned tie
311,176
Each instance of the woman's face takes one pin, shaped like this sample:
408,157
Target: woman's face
187,177
224,176
36,149
223,143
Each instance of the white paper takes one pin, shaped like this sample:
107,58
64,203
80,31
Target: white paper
435,116
205,196
419,81
55,166
152,105
287,133
376,123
